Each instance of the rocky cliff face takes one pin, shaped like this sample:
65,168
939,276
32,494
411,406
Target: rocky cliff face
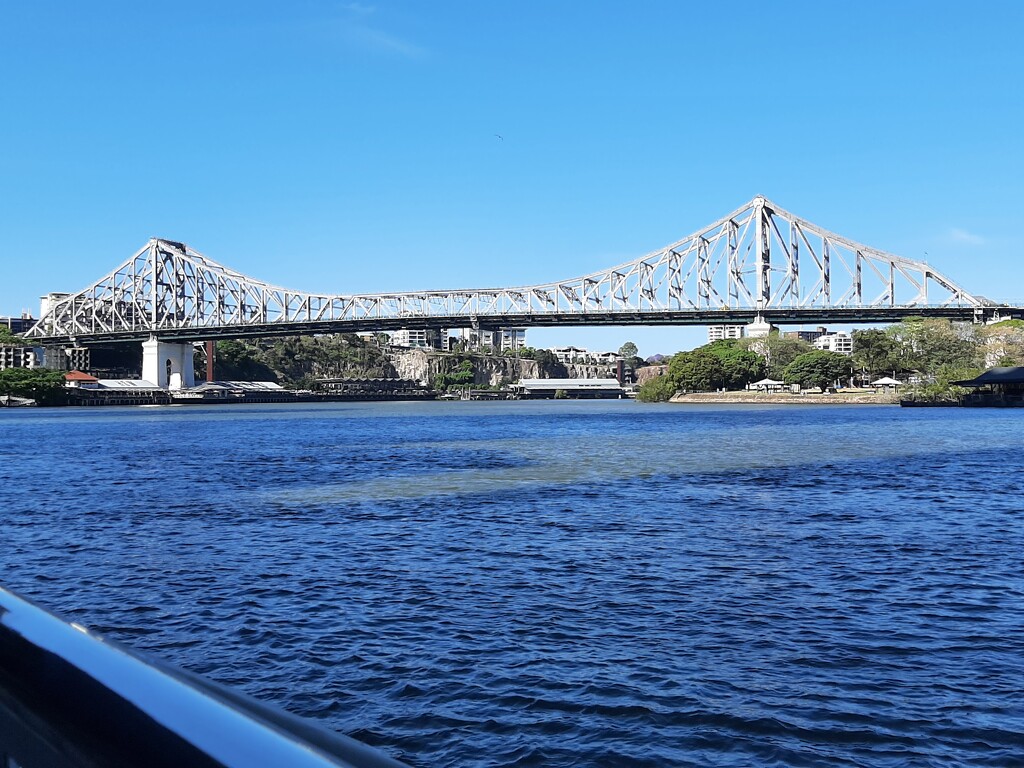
649,372
581,371
488,370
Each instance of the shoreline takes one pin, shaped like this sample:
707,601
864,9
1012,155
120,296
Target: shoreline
743,398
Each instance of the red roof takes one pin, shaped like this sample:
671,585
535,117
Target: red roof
79,376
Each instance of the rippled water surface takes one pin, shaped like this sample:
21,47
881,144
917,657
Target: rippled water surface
556,583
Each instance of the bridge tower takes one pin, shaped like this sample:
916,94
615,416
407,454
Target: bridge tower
168,365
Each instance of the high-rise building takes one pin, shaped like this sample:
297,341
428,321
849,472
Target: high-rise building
835,342
413,338
18,357
722,332
809,336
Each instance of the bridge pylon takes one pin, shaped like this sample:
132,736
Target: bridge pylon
168,365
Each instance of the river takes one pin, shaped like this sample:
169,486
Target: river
554,583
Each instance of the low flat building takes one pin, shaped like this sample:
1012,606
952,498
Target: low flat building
574,389
80,380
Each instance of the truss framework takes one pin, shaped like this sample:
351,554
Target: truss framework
759,258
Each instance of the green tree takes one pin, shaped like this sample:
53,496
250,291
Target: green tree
941,388
740,364
1004,342
239,361
459,375
7,338
777,350
656,390
875,352
697,371
44,386
927,345
628,350
549,366
817,369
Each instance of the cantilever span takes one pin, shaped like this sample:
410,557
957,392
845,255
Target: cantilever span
758,261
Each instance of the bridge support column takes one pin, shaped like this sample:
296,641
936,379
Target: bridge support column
168,365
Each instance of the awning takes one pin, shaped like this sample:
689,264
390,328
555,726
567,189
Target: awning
1012,375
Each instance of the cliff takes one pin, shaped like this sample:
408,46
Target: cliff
488,370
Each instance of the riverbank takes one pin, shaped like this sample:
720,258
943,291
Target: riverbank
842,397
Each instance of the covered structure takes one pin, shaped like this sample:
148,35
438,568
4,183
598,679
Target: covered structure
886,381
768,385
1000,387
576,389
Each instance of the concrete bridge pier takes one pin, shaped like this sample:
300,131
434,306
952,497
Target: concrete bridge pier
168,365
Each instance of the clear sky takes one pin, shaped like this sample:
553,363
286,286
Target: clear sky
353,147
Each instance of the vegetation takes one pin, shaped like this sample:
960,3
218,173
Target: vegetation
699,370
298,361
656,390
940,387
44,386
628,350
740,365
875,353
460,376
778,351
7,338
241,361
817,369
925,346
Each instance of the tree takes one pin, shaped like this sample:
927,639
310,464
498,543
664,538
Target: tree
941,388
927,345
8,338
697,371
628,351
549,366
817,369
1004,343
237,360
875,352
777,350
656,390
741,366
44,386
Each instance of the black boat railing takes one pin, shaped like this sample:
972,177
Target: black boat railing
69,697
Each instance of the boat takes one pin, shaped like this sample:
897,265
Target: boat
69,697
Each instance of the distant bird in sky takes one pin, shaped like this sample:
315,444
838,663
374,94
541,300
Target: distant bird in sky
500,136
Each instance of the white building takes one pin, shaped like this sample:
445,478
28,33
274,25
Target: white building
835,342
414,338
570,354
723,332
506,338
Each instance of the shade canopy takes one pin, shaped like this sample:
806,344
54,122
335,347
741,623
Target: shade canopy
1011,375
887,381
768,383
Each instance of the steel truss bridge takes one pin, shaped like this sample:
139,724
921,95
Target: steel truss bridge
758,263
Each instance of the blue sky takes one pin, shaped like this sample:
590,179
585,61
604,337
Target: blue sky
351,147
